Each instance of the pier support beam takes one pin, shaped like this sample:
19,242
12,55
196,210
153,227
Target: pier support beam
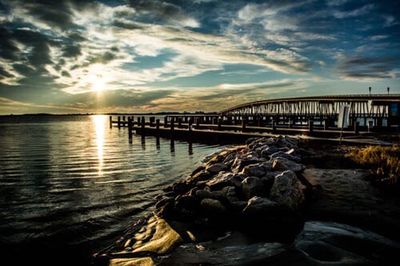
130,129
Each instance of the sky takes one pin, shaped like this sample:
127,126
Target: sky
80,56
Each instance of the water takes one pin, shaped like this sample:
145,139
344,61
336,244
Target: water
71,184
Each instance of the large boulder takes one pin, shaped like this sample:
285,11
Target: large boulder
283,164
212,206
233,200
252,186
224,179
287,190
268,150
216,168
156,237
199,176
259,205
242,161
285,155
254,170
271,220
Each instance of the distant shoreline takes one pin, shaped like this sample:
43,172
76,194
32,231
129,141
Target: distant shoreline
87,114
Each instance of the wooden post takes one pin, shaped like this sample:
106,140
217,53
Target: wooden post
310,126
138,121
158,126
165,121
190,124
130,129
110,121
356,127
273,124
119,122
244,124
197,122
219,123
143,121
123,118
179,122
172,128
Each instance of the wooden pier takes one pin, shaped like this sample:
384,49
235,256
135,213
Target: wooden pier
311,116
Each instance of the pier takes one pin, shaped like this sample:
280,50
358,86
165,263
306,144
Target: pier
310,116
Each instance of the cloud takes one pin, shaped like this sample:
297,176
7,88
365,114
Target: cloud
354,13
370,68
18,107
222,96
48,14
163,12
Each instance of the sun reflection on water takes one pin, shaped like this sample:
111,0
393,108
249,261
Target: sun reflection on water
99,123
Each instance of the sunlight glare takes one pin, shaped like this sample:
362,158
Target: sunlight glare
99,123
97,83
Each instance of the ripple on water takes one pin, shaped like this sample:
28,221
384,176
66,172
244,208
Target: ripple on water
74,180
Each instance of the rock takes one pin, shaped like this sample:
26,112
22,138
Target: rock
268,181
186,202
241,162
157,237
233,252
199,176
180,187
203,193
285,155
254,170
206,193
282,164
198,169
213,206
145,261
224,179
257,205
266,152
287,190
270,220
233,200
162,202
252,186
216,168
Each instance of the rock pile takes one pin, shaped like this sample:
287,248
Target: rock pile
253,187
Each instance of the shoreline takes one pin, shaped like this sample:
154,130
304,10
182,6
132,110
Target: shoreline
251,195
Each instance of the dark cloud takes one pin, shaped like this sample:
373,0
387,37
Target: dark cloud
369,67
57,14
127,25
65,73
160,11
8,48
77,37
4,73
23,69
71,50
102,58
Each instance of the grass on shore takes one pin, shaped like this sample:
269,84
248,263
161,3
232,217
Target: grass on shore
383,161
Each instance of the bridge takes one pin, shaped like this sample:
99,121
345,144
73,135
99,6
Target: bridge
382,110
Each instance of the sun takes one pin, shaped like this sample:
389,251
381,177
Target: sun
97,83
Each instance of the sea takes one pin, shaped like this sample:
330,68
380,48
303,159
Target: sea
70,185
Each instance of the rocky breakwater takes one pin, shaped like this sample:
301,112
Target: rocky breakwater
253,189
